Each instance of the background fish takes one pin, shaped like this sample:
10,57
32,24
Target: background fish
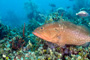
52,5
82,14
63,33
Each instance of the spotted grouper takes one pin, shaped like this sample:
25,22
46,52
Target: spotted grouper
63,33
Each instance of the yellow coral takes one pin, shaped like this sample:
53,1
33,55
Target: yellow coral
44,50
7,58
30,43
49,58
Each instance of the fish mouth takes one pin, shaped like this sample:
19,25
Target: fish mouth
38,35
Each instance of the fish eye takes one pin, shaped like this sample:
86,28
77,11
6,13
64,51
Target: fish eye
41,27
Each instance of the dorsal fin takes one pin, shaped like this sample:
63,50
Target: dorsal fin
84,29
72,26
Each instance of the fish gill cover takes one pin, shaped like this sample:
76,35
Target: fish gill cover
62,29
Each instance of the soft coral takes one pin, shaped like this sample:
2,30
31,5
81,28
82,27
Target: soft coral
17,44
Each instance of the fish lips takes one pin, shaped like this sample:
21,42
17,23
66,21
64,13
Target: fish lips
41,36
38,35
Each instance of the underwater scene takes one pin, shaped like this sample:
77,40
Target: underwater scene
44,29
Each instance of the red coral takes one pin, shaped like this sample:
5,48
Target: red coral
24,30
17,44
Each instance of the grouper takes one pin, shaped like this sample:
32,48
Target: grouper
62,33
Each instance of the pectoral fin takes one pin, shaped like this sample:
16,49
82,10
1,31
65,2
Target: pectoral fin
86,44
61,45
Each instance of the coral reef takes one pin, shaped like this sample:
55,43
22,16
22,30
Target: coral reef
38,49
4,30
20,43
17,43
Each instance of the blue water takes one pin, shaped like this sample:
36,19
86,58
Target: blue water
13,12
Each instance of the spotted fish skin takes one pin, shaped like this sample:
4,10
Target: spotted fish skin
63,33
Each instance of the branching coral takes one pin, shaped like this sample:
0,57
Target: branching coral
54,17
24,31
17,44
